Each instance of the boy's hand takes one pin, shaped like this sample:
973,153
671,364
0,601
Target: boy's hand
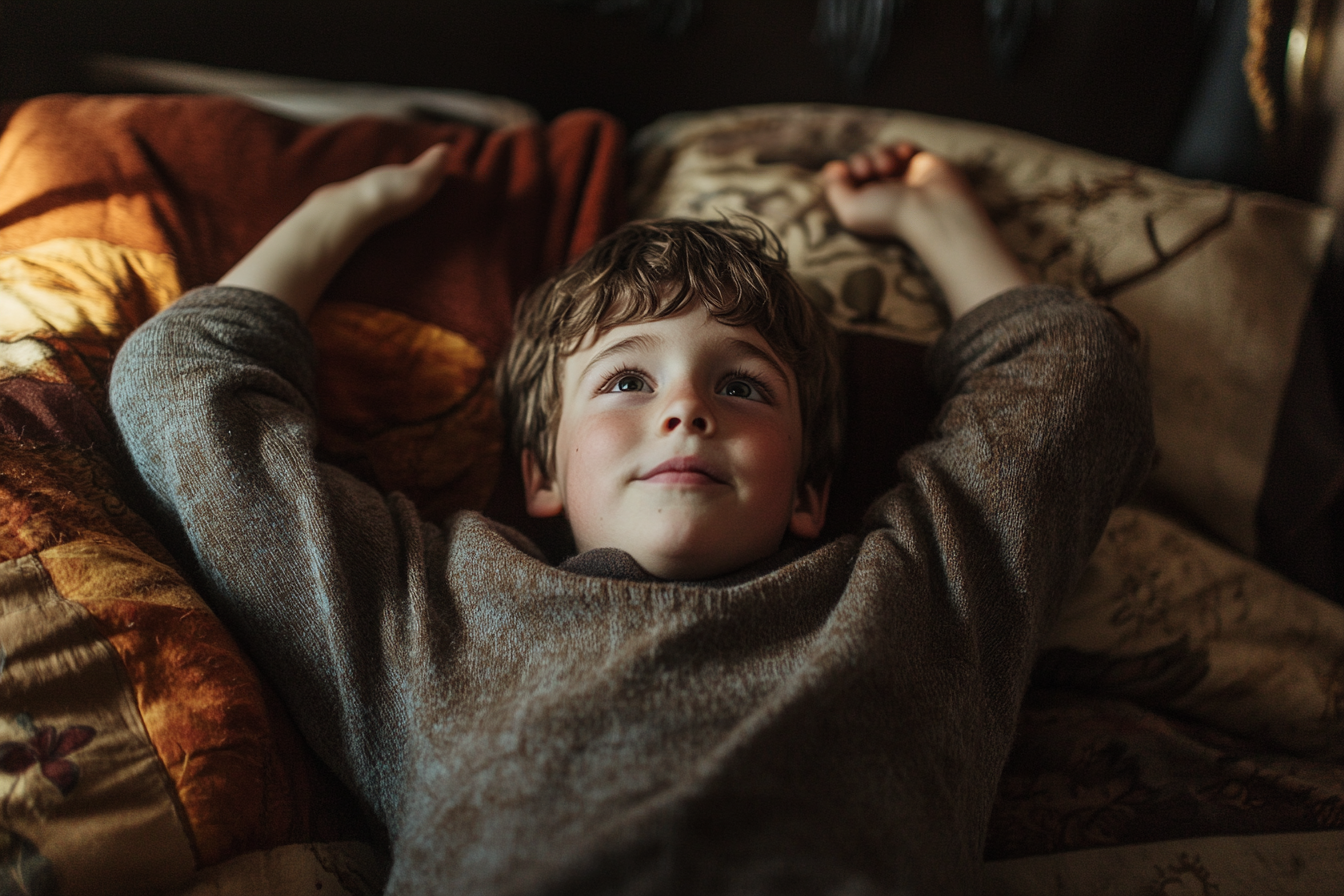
904,192
298,258
874,193
381,195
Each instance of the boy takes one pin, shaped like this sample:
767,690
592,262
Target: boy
684,707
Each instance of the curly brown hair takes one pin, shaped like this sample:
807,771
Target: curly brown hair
648,270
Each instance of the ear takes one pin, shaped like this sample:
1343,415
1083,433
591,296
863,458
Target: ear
809,509
543,496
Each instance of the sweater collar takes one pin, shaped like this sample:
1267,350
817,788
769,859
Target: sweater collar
613,563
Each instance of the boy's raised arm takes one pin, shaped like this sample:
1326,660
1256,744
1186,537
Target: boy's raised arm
298,258
1046,426
215,398
1046,423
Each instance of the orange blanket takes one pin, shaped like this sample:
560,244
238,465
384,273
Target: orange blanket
202,179
175,190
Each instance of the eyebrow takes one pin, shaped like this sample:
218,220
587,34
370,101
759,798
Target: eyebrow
757,352
641,341
648,341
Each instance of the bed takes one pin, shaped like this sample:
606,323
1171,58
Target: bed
1185,728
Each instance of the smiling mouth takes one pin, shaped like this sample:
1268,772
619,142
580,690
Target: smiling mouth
682,471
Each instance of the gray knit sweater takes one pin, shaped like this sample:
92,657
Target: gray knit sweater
835,725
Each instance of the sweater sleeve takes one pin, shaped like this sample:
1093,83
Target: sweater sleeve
318,574
1046,426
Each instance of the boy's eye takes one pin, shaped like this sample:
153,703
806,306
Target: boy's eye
743,388
630,383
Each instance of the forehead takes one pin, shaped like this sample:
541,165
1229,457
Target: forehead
693,327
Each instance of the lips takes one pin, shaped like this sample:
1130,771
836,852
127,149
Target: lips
683,471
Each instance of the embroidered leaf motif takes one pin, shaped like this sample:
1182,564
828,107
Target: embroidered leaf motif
63,773
72,739
48,749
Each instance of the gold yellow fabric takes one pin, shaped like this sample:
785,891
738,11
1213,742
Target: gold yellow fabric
86,801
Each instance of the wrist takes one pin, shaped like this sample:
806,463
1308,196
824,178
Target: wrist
965,254
980,276
299,257
337,218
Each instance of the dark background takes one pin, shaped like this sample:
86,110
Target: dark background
1117,76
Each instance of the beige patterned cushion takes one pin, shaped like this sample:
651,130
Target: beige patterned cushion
1217,278
1175,622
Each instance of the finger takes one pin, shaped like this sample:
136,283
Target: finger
887,163
900,155
926,165
860,166
907,150
427,170
835,170
432,157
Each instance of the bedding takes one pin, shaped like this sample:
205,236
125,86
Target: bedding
1185,722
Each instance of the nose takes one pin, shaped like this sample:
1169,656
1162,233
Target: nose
686,408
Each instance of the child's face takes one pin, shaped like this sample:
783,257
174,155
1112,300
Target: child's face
680,442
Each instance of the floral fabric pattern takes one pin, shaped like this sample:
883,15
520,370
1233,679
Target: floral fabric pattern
48,751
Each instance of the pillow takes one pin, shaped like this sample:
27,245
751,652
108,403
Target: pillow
1269,863
1173,621
1088,772
138,745
136,741
1218,279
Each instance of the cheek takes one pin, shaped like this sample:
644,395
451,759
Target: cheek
777,453
592,460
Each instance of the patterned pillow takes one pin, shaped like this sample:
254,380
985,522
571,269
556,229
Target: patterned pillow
1217,278
1170,620
136,741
